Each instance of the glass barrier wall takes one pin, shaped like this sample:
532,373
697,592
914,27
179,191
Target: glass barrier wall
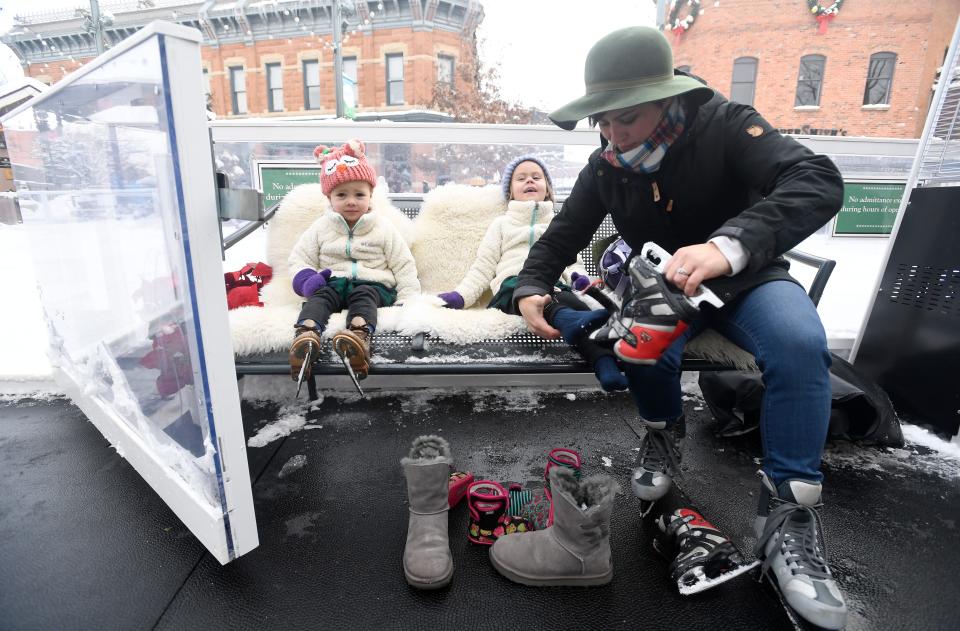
409,168
416,165
98,190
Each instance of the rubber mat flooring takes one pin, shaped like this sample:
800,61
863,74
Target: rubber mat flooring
86,544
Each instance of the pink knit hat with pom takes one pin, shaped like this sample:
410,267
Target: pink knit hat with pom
343,164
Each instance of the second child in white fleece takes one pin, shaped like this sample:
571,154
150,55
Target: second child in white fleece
503,250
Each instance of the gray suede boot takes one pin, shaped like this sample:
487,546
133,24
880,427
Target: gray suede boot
427,562
575,550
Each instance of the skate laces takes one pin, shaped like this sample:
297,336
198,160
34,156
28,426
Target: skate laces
660,451
795,527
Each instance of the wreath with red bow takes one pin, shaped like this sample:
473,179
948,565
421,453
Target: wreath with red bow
681,26
824,14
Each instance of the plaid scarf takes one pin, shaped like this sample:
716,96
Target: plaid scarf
647,157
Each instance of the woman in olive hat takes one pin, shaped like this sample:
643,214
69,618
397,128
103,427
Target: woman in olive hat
714,183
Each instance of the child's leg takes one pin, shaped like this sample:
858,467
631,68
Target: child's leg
353,343
310,324
575,320
318,307
363,302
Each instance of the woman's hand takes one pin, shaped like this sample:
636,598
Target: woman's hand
531,308
694,264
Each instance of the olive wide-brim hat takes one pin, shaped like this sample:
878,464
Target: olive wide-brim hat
628,67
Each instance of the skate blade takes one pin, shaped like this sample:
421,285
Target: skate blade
798,622
353,375
703,583
307,361
645,507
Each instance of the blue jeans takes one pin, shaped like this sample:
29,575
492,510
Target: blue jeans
779,324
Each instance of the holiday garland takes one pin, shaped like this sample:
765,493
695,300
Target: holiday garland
675,24
824,15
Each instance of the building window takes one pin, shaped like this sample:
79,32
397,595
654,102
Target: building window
395,79
311,84
238,90
879,79
810,80
274,88
744,80
445,65
206,82
349,67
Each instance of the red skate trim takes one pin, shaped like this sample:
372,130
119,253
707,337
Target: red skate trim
696,520
651,343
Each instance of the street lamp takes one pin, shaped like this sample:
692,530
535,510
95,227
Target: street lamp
93,23
339,23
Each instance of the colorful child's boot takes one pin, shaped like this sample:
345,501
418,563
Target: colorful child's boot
535,506
487,502
457,490
353,344
307,341
560,457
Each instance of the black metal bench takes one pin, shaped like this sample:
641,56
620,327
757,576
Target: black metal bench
424,355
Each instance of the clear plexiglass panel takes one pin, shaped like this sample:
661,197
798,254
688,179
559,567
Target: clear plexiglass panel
102,198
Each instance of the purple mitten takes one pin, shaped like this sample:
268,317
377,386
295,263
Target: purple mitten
580,281
451,300
307,281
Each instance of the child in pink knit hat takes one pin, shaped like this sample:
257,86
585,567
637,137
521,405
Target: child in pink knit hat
348,258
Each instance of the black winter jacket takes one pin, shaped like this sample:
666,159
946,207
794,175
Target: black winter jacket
729,173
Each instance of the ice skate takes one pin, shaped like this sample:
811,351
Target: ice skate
659,460
701,556
353,347
654,312
790,542
302,352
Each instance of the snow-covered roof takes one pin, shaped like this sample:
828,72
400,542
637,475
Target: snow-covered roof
17,91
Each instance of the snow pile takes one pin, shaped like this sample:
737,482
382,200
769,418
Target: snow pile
290,418
924,452
36,391
297,462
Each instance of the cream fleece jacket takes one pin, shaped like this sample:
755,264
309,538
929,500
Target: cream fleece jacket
504,249
372,250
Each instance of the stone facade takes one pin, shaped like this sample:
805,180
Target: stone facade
290,33
778,33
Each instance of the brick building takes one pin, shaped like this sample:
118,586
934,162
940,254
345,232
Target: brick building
871,73
275,57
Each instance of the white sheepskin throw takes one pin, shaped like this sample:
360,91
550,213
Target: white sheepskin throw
715,347
451,224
